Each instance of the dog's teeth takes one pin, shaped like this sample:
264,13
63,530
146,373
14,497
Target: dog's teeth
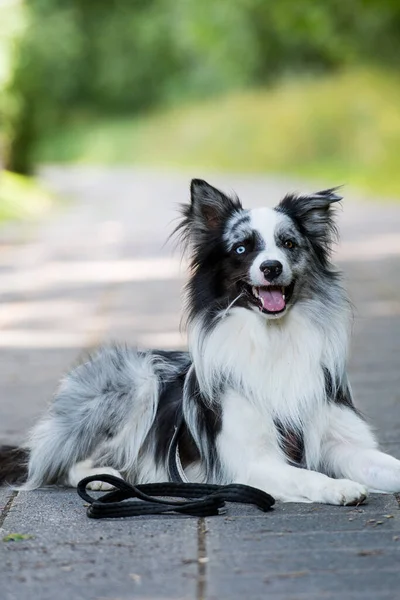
254,289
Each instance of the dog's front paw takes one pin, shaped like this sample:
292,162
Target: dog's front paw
346,492
84,469
98,486
102,485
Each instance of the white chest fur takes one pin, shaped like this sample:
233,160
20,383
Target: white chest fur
277,365
269,371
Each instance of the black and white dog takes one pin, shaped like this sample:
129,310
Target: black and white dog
262,394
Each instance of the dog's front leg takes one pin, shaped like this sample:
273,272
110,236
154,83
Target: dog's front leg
249,453
378,471
291,484
349,449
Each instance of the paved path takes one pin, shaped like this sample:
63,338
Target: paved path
97,270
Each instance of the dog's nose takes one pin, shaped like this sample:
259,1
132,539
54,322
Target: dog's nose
271,269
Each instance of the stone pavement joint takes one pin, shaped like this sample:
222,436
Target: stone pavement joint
202,559
9,497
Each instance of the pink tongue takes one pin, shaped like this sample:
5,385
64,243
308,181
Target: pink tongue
272,300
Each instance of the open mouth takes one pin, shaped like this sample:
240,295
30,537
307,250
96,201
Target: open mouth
271,299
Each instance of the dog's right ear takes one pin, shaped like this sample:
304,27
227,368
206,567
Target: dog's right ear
209,207
204,217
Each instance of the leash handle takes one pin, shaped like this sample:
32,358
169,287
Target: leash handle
201,499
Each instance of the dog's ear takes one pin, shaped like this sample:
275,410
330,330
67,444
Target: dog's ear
209,207
205,216
314,216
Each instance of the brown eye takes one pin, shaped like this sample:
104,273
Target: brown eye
289,244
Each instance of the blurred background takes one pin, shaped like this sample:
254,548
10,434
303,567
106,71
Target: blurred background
295,87
109,107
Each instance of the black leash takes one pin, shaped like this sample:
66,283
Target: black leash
201,500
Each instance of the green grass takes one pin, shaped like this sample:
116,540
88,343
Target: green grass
22,197
342,129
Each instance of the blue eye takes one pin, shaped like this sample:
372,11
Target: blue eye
240,250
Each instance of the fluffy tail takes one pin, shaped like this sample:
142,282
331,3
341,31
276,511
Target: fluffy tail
13,465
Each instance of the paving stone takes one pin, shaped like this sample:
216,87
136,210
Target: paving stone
70,555
302,584
376,504
326,552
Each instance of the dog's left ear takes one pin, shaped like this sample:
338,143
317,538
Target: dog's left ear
209,206
313,215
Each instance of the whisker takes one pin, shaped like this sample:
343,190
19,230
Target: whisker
230,305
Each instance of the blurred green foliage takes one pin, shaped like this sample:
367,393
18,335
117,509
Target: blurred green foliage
106,57
343,128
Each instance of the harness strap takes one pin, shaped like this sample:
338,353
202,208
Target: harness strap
201,500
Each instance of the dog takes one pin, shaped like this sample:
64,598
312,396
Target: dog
261,397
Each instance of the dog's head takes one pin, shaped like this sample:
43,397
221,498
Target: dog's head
261,259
